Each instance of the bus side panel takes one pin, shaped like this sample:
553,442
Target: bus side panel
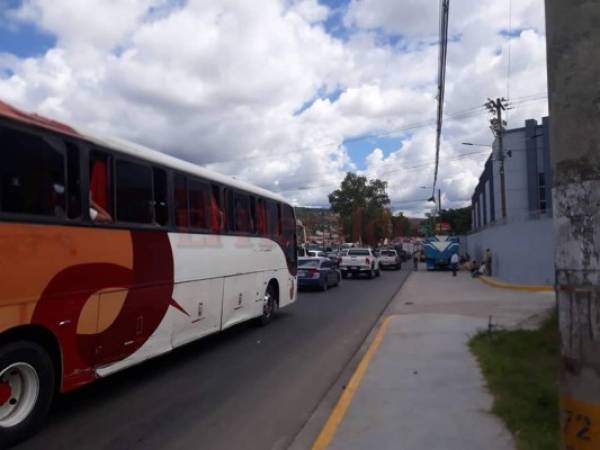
202,301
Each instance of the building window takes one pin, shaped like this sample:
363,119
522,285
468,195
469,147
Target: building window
32,174
542,191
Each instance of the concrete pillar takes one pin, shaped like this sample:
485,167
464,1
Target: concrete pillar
573,38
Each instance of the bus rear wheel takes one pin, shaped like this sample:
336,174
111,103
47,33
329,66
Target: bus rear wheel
270,305
26,390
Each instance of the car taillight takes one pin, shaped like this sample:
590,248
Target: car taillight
314,273
367,260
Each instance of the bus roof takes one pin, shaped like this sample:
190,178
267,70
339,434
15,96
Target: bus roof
133,149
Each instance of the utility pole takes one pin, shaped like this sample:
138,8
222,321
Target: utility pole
497,127
574,99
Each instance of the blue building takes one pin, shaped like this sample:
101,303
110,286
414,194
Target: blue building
528,176
522,243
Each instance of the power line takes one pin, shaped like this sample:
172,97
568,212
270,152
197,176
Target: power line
469,112
404,169
508,68
444,9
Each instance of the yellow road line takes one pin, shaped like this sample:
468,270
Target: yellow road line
338,413
518,287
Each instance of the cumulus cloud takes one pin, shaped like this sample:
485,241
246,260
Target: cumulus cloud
271,94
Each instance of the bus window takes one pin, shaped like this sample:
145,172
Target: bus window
134,192
32,174
161,209
273,219
199,195
289,237
229,210
182,218
217,219
101,207
261,217
242,213
73,182
253,215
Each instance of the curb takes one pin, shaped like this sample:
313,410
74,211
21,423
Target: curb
309,432
517,287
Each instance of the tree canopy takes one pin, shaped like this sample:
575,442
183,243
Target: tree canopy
361,204
459,219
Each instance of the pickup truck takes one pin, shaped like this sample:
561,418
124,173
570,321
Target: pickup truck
360,260
389,258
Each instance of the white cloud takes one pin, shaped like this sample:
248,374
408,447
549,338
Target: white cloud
222,83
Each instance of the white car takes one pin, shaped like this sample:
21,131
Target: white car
389,258
360,260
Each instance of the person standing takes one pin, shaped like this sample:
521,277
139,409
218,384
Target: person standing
487,259
454,259
416,255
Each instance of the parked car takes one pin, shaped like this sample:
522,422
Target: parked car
360,260
317,272
390,258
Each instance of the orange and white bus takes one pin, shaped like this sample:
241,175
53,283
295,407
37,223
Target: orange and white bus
111,253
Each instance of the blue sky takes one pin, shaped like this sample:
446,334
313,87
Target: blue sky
24,39
359,148
377,74
21,39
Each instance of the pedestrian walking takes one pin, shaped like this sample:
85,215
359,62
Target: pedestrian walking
487,260
416,260
454,259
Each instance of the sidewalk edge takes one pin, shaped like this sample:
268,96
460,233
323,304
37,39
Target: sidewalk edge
494,282
312,427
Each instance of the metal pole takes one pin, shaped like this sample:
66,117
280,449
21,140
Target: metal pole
574,94
499,108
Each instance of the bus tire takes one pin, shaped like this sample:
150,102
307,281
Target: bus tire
270,305
27,384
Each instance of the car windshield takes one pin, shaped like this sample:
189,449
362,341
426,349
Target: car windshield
388,253
358,252
309,263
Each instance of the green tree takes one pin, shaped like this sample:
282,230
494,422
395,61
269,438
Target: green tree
459,219
361,205
401,225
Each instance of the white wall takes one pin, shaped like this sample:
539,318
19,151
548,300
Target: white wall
523,250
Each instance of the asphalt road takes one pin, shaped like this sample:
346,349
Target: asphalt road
247,388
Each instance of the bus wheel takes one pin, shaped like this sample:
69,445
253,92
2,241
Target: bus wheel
270,306
26,390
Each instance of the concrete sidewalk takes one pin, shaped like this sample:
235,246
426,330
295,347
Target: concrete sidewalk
418,386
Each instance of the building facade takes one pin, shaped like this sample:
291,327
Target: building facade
528,177
522,243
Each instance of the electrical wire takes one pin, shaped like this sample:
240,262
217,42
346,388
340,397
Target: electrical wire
477,154
508,68
444,9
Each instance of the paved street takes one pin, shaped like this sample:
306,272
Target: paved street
248,388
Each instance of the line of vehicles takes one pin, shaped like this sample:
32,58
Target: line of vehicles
322,270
